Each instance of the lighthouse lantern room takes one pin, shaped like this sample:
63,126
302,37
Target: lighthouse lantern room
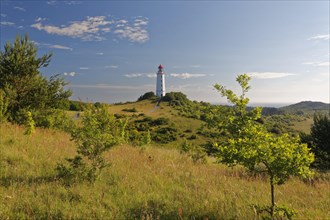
160,86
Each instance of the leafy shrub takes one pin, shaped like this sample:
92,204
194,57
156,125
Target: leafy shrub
176,99
53,118
192,137
197,153
147,96
129,110
159,121
99,132
3,106
164,135
30,125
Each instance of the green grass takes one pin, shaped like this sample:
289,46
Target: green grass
140,184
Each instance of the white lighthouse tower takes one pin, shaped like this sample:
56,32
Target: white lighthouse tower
160,87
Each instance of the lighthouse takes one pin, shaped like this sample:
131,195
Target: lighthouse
160,86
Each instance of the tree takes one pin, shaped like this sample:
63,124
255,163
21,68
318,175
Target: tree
319,141
99,132
23,83
251,146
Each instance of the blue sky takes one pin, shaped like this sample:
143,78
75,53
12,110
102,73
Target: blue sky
109,51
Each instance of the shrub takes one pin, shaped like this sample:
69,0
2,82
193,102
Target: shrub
129,110
99,132
148,95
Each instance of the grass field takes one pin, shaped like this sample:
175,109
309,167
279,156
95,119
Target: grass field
141,183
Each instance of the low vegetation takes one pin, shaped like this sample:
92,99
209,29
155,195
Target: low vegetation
154,158
151,183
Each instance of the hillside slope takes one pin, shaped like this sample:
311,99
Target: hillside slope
140,184
306,106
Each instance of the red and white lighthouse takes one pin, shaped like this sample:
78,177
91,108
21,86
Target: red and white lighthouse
160,86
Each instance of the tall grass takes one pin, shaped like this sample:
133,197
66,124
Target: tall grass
141,183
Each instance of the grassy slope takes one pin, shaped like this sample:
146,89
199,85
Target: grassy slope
164,110
151,182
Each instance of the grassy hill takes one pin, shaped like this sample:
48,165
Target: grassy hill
186,127
306,106
147,183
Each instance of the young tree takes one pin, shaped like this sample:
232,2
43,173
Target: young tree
251,146
99,132
23,82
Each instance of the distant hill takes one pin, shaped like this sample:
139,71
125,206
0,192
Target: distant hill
306,106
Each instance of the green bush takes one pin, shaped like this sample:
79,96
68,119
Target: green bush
99,132
147,96
129,110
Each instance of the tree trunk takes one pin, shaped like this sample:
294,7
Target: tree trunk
272,195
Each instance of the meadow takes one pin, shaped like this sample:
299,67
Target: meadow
150,182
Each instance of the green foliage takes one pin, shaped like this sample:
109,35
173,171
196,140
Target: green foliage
280,212
176,99
98,133
3,106
77,105
147,139
159,181
53,118
29,124
147,96
129,110
253,147
160,131
23,83
197,153
164,135
319,141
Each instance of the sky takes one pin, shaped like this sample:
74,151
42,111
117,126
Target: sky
109,51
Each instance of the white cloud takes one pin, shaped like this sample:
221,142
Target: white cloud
51,2
39,19
65,2
323,63
72,2
100,53
269,75
136,32
3,15
195,66
55,46
133,75
19,8
187,75
325,74
70,74
6,23
122,21
151,75
112,67
87,30
141,21
319,63
320,37
83,68
109,86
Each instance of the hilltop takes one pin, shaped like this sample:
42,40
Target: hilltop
306,106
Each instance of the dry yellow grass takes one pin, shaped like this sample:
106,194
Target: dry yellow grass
140,183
